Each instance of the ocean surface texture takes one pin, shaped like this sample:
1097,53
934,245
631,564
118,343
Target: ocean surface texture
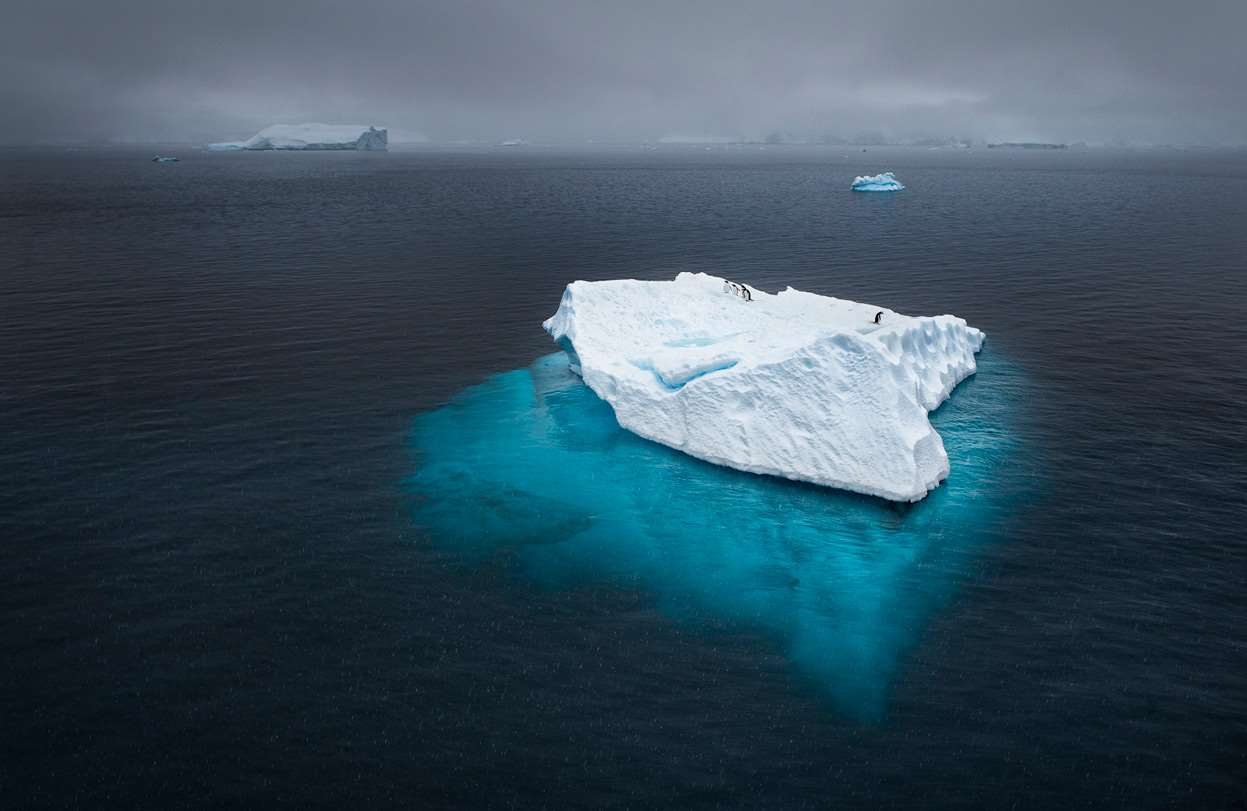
299,506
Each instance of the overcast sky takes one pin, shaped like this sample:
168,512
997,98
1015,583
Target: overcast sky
1052,70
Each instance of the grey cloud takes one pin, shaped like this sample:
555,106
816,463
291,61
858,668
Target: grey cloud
1062,70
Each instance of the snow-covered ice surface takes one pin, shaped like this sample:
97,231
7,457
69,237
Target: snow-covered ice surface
312,137
882,182
794,384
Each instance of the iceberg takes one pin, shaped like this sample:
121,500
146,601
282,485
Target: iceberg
795,385
881,182
312,137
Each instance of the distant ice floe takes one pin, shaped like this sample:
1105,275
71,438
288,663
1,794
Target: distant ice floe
312,137
882,182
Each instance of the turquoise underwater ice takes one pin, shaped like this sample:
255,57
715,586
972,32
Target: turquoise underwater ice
531,462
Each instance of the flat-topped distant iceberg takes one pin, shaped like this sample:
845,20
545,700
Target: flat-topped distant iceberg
312,137
882,182
794,384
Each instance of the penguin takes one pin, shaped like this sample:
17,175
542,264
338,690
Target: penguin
879,317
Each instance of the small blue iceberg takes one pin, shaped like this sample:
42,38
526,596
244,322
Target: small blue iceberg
882,182
164,159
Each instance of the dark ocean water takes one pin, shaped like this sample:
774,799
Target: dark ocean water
271,533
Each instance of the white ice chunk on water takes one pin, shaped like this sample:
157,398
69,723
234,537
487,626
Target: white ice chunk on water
794,384
312,137
882,182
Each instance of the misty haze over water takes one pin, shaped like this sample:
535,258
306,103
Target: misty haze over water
1108,72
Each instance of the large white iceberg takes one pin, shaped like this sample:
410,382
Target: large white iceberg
881,182
313,136
793,384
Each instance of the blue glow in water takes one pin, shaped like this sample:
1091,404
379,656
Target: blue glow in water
532,462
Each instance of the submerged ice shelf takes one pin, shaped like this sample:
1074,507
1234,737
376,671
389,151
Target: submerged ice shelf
531,469
794,385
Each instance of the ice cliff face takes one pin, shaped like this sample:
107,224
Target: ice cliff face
794,384
311,137
884,182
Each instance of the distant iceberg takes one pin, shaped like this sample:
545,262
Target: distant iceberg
796,385
312,137
164,159
884,182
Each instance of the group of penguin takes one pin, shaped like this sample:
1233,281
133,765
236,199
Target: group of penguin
743,291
